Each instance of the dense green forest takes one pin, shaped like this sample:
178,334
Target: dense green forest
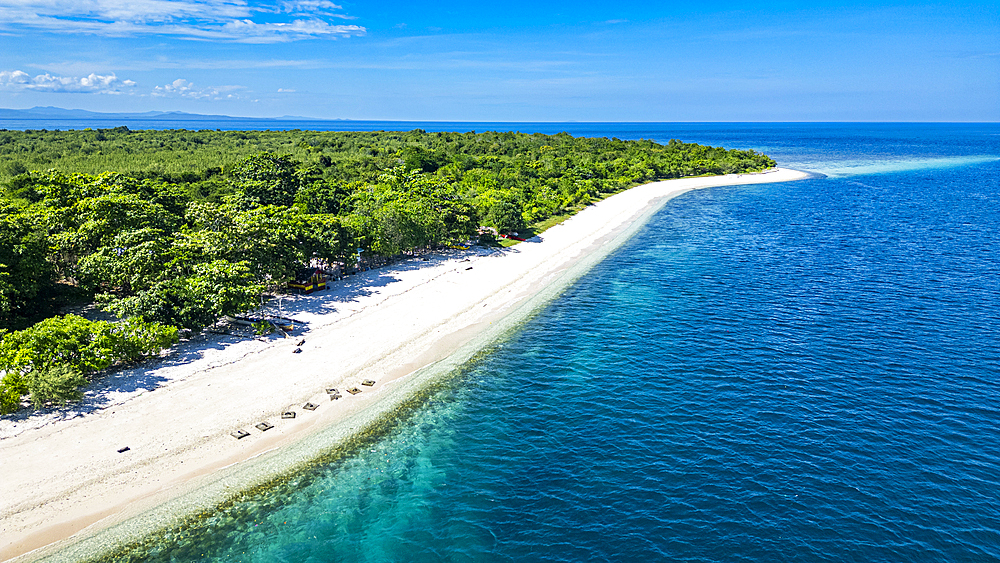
175,229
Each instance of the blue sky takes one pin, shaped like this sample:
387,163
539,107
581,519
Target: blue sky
513,61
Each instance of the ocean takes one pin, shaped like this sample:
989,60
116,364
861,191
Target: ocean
806,371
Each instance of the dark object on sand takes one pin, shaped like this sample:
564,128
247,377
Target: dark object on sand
335,396
301,342
288,414
264,426
310,406
123,450
469,268
331,391
354,390
240,434
308,280
368,382
297,351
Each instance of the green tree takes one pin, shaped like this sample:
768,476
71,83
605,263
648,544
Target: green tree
87,346
320,197
272,240
132,261
423,160
69,340
25,271
397,212
103,218
12,387
506,215
213,290
267,179
56,384
329,238
50,359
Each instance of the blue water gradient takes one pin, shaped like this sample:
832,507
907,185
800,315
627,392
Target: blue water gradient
786,372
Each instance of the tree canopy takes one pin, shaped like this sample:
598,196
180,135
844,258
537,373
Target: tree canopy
179,228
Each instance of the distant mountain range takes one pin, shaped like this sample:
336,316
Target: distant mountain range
49,112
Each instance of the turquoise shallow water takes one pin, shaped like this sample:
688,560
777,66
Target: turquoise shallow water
788,372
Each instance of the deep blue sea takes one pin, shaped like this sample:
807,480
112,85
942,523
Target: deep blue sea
807,371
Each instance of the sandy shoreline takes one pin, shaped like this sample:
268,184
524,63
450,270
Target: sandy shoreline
66,490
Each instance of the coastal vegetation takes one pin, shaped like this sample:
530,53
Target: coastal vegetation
171,230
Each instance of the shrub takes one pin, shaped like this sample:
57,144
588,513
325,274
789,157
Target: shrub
134,339
56,384
50,359
70,339
11,388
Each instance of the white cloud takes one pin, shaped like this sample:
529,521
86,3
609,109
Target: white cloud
220,20
18,80
14,77
310,6
285,90
248,31
182,88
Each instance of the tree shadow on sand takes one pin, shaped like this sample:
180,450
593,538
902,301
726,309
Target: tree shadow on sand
363,284
118,385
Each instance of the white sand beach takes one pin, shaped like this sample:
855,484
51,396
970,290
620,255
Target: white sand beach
66,489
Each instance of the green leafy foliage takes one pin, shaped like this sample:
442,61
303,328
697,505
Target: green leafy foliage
51,359
212,290
69,340
401,210
182,227
261,328
423,160
56,384
25,271
135,339
267,179
12,387
178,200
133,261
506,215
276,200
87,346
